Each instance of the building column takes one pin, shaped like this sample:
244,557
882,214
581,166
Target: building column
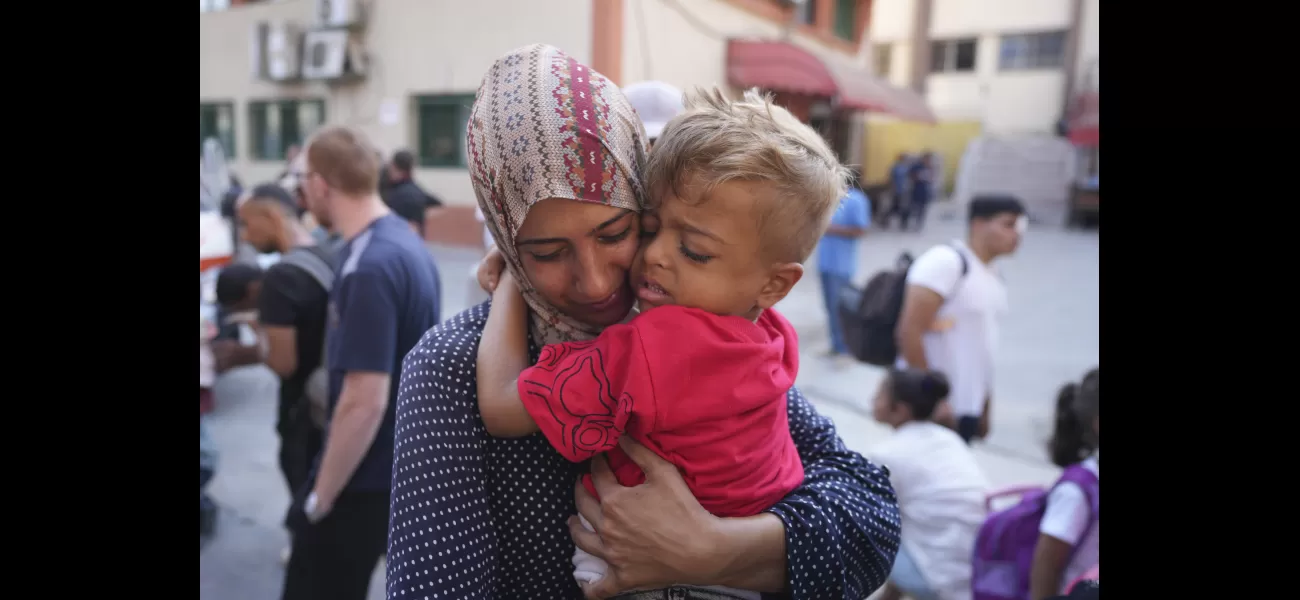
607,38
920,46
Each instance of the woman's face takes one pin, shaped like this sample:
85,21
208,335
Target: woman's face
885,410
577,255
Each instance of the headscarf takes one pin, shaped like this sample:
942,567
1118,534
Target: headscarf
544,126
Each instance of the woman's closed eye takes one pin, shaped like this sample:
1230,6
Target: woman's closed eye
699,258
548,256
617,237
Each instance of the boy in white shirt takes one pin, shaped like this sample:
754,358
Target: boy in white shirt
955,285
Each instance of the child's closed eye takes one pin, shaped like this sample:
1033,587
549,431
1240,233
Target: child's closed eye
695,257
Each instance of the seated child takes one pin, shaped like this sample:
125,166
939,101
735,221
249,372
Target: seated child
741,192
1070,532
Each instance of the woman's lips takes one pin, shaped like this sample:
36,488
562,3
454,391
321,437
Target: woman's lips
611,301
650,292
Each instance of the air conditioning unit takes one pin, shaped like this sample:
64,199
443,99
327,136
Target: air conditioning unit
339,13
331,54
276,48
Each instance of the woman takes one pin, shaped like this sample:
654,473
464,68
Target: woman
556,156
939,485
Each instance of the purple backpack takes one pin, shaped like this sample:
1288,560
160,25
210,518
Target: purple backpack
1004,548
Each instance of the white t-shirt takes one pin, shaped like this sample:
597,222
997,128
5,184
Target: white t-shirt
1069,518
974,303
941,492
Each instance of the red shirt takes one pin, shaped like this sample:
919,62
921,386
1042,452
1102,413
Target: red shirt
704,392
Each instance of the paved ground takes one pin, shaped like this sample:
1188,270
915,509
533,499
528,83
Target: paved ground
1051,336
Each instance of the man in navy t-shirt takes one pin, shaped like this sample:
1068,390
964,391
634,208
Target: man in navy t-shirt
385,296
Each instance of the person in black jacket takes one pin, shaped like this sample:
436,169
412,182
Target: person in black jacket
405,197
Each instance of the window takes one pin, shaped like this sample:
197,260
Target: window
806,12
278,124
217,119
882,56
1032,51
441,127
952,56
846,19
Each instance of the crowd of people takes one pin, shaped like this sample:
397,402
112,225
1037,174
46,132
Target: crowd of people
620,418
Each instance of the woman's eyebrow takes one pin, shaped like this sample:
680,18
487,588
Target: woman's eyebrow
595,230
539,241
559,240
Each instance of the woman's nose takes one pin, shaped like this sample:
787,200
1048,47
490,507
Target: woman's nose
597,279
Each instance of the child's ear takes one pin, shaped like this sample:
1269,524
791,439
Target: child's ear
780,281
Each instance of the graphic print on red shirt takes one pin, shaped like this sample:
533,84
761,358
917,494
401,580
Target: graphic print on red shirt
705,392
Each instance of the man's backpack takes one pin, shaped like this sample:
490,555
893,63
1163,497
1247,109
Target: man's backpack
869,316
1004,547
317,386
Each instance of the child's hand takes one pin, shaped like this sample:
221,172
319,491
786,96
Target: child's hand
490,269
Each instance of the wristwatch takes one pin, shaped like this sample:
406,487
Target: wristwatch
310,508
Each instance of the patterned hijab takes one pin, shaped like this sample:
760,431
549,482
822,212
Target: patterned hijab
544,126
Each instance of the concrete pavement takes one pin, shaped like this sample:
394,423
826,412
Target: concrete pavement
1050,337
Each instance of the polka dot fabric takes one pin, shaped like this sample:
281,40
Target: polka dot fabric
484,518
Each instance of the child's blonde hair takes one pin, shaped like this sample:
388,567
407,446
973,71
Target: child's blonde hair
716,140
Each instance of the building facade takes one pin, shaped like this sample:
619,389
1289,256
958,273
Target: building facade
1012,66
406,70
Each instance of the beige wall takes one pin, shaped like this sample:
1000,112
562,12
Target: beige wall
416,47
1004,102
660,43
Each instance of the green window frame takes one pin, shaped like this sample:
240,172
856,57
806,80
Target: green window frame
846,20
217,119
277,124
441,122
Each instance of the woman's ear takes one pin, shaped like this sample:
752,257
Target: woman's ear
780,281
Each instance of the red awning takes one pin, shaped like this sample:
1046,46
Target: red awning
1085,122
785,67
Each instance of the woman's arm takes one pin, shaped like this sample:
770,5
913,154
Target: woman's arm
834,537
842,523
502,356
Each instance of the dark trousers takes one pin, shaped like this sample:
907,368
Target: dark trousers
967,427
915,213
300,443
334,559
832,285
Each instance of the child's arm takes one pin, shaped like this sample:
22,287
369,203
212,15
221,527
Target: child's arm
502,356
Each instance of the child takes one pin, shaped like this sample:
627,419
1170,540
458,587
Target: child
1070,532
742,191
940,489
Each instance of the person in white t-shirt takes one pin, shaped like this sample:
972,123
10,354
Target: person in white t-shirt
1069,534
940,489
955,287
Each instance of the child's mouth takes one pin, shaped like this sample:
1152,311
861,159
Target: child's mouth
651,293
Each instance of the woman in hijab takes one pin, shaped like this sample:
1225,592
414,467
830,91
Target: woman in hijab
556,158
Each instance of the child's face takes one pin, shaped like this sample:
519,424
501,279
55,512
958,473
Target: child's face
708,255
882,405
249,302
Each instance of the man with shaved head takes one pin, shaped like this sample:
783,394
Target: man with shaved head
291,314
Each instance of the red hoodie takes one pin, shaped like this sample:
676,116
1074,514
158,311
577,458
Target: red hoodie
705,392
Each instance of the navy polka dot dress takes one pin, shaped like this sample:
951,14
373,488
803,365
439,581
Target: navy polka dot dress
484,518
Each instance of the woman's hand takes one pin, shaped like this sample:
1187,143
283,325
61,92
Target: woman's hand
489,270
652,535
